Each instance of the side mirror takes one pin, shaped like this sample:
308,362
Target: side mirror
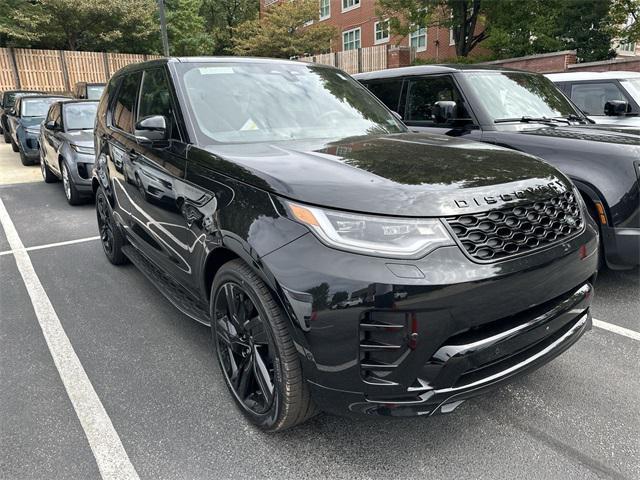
11,111
445,111
397,115
616,108
51,125
152,128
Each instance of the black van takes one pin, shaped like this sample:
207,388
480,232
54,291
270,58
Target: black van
343,263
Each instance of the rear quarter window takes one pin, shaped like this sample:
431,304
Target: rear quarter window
387,91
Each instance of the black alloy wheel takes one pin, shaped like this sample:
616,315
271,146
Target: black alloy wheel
244,348
255,351
110,236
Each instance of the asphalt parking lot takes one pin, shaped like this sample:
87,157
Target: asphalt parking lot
152,370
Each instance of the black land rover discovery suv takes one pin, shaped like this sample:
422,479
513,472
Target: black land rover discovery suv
344,263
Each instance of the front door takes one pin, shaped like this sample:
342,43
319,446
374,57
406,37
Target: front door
160,218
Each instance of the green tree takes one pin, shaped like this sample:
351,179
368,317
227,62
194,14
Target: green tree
186,28
222,16
585,26
285,30
117,25
551,25
625,14
464,17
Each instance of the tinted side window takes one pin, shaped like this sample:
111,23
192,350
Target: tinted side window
423,93
388,92
155,99
124,108
591,97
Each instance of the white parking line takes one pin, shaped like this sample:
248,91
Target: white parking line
113,461
617,329
49,245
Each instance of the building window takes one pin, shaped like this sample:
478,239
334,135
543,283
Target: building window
381,32
351,39
627,47
350,4
325,9
418,39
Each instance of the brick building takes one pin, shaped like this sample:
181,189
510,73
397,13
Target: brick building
359,27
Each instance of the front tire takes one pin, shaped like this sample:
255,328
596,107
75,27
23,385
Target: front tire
70,190
47,174
7,136
14,146
111,237
255,351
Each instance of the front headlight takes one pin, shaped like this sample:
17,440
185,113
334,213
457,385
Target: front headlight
85,150
373,235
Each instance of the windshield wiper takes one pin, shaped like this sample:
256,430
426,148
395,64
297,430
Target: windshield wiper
528,119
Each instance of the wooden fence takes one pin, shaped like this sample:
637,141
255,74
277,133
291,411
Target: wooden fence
358,60
59,70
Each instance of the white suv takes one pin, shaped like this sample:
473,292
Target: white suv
606,97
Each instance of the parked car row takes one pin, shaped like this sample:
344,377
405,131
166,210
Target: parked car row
344,262
55,131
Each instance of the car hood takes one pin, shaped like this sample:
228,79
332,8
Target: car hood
405,174
591,133
82,138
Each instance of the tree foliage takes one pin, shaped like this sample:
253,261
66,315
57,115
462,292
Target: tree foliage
222,16
186,28
586,26
117,25
285,30
626,15
464,17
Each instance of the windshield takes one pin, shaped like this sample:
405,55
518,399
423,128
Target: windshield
249,102
632,86
512,95
37,107
80,116
94,92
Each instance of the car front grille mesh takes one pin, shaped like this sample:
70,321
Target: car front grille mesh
501,233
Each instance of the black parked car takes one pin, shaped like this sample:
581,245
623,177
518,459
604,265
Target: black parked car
7,102
526,112
25,122
66,147
89,91
260,195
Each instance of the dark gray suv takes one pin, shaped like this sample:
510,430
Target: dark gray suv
66,147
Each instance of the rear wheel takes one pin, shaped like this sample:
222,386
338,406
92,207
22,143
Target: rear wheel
256,352
7,137
110,236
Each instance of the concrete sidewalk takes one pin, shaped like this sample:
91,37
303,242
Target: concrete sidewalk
12,171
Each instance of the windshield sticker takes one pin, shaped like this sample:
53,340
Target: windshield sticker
249,125
215,70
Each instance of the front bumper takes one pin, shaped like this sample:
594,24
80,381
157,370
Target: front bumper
30,146
433,331
81,168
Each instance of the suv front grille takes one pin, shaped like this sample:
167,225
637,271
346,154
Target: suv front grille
497,234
